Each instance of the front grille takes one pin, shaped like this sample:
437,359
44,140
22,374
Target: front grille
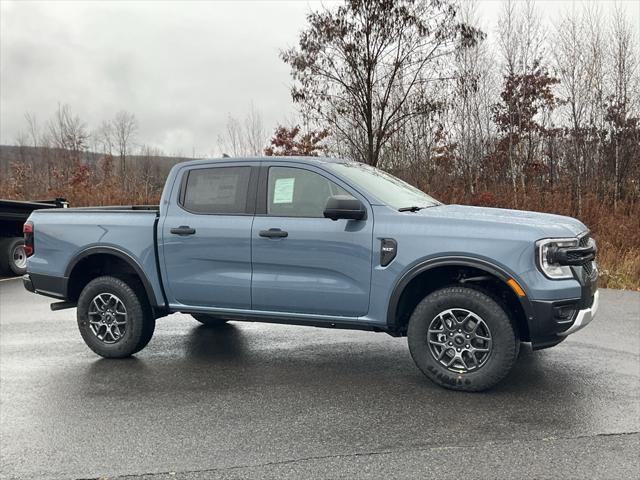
587,267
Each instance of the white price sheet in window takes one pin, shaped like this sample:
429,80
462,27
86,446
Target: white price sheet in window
283,190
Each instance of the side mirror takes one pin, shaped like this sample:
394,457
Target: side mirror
344,206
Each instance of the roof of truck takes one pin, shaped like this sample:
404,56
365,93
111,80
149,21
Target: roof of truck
311,160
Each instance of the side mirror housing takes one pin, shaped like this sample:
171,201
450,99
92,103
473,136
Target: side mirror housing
344,206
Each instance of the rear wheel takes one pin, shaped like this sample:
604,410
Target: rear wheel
114,318
13,257
209,320
462,338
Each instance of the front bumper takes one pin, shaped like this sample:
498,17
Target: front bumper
553,320
584,317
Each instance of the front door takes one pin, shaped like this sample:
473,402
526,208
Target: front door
303,262
206,238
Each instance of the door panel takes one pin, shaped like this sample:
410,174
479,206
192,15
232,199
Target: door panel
321,266
210,267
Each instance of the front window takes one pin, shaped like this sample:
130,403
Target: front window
295,192
389,189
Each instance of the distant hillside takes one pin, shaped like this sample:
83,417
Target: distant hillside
39,155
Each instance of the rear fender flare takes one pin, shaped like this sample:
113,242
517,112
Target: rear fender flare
122,255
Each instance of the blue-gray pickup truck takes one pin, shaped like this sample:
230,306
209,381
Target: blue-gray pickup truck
326,243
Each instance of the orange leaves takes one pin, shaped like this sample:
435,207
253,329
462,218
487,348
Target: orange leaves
287,142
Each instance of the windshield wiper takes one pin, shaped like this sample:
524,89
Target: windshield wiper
410,209
415,208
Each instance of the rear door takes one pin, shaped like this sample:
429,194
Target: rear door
206,237
314,265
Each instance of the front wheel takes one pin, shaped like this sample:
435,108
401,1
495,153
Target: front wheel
114,318
462,338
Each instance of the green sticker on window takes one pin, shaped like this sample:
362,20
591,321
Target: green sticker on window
283,190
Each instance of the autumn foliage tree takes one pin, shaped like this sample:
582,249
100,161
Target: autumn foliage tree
289,142
517,117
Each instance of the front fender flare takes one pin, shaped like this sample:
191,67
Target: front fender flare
461,261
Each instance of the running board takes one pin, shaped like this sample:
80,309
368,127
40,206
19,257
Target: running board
62,305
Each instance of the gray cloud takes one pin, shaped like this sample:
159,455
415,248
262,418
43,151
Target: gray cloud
181,67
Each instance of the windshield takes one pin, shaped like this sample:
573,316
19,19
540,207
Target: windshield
387,188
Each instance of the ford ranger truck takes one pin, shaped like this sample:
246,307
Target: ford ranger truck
326,243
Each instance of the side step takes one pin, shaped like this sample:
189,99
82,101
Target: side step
62,305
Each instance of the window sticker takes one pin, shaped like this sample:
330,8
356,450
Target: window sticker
283,190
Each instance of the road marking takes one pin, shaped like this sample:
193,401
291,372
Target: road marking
7,279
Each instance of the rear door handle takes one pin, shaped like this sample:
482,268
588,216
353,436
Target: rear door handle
183,230
273,233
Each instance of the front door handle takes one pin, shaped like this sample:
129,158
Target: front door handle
183,230
273,233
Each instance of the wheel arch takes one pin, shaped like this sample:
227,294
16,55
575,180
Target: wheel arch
432,274
82,269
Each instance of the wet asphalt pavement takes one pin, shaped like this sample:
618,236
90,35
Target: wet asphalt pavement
255,400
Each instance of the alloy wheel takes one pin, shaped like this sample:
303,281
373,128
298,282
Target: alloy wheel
107,318
459,340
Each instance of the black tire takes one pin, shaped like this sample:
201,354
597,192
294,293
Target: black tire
209,320
12,256
147,335
503,350
4,256
139,326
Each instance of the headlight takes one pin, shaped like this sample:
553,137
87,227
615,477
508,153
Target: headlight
545,249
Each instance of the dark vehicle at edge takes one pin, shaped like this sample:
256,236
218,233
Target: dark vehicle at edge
13,215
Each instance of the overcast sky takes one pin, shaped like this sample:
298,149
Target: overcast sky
180,67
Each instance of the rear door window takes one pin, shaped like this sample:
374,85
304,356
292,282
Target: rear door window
218,190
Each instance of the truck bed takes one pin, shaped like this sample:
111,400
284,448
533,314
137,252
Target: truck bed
64,236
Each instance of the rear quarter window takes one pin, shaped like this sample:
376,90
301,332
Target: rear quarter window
218,190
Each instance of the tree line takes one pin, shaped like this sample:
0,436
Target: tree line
417,87
530,116
526,115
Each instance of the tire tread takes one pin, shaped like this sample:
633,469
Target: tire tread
489,302
141,323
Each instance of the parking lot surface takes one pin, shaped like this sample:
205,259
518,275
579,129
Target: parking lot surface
272,401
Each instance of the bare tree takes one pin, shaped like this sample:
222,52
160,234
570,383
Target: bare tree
148,172
67,131
33,130
521,37
231,141
254,131
572,68
595,113
357,67
469,104
104,137
623,95
245,138
124,128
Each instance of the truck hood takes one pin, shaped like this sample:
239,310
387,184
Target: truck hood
542,224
